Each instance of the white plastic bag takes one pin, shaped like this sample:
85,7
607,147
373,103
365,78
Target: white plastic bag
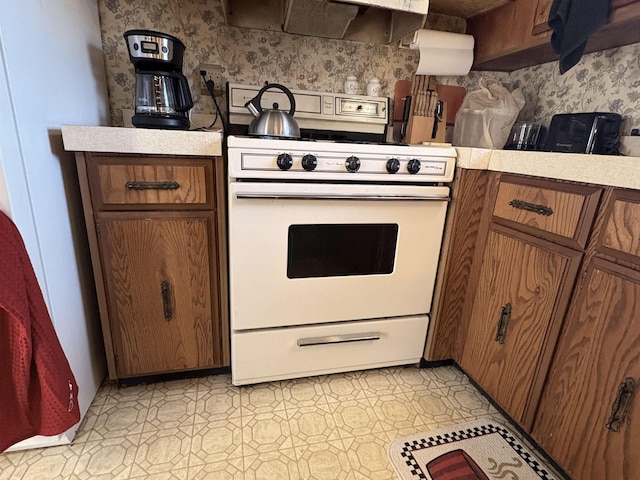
486,115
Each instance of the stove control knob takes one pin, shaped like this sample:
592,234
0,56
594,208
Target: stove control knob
309,162
285,162
413,166
393,165
353,164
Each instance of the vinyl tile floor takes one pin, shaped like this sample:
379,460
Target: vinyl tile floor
334,427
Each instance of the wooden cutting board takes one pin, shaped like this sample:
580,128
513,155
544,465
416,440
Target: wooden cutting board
453,96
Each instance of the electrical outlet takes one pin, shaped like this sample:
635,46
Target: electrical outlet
213,72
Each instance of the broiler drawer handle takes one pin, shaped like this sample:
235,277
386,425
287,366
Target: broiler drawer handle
288,196
345,338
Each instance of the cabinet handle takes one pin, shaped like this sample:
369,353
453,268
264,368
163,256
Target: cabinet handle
345,338
531,207
166,300
505,316
621,404
152,185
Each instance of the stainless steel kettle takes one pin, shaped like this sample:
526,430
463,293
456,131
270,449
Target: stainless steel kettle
273,122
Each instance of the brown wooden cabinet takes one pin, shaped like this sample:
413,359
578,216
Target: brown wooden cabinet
522,294
527,263
516,34
589,418
157,237
570,362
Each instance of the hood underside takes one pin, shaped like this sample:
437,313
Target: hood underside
374,21
377,21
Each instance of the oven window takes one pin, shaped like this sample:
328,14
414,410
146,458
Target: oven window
335,250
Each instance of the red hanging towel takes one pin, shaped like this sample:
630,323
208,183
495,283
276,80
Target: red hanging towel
38,393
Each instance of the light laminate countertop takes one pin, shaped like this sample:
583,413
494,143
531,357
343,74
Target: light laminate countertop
618,171
613,170
148,141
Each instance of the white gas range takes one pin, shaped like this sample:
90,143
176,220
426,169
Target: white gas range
333,251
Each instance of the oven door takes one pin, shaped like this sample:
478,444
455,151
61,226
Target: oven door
304,254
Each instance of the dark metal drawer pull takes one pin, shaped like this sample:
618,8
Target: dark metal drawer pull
505,316
152,185
329,339
621,404
166,300
531,207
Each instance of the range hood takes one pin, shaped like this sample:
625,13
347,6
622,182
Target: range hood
376,21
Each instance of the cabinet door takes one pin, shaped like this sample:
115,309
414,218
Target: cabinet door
159,288
522,293
541,16
598,352
543,7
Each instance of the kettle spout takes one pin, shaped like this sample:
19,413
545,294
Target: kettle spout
254,107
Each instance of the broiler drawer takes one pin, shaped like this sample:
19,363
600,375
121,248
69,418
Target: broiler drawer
151,183
280,353
558,211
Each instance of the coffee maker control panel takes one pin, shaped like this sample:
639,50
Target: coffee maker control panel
150,47
145,47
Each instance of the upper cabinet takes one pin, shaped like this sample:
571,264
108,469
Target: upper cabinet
516,34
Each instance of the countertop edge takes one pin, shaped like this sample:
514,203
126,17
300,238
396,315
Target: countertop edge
82,138
608,170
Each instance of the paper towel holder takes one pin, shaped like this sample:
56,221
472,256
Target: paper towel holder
441,53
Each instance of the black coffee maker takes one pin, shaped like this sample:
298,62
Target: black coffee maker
163,98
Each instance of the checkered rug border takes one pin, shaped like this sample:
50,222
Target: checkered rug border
466,433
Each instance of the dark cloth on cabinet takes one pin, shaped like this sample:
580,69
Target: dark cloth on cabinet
572,22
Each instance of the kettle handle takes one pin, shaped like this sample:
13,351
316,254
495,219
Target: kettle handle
258,98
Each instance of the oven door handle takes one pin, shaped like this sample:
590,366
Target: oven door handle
345,338
333,196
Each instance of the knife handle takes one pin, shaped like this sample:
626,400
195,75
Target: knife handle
405,116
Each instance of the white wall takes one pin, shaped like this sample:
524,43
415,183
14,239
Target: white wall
52,73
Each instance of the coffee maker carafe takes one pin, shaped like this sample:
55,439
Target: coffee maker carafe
163,98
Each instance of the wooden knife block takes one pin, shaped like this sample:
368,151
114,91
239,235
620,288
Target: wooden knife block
419,129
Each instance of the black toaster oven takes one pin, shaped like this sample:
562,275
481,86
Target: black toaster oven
594,132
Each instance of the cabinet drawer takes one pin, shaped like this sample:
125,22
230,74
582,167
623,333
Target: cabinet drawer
561,212
124,183
621,233
281,353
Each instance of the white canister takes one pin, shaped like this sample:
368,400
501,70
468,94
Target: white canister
351,85
373,87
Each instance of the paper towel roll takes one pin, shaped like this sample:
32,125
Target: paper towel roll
443,53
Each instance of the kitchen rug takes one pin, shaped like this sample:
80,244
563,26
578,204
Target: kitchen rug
479,450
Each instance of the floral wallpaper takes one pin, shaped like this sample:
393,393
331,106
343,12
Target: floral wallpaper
601,81
606,81
246,55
